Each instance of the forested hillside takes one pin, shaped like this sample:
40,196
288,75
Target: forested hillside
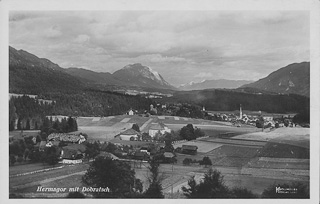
228,100
88,103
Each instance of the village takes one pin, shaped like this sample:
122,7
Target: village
234,140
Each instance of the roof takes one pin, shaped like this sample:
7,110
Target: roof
168,155
77,147
107,154
130,132
157,126
140,154
64,137
189,147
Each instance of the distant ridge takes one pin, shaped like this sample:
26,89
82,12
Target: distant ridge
292,79
214,84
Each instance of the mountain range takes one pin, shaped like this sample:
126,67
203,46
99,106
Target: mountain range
33,75
292,79
214,84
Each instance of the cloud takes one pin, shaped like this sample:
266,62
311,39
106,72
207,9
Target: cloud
181,45
53,32
82,39
204,75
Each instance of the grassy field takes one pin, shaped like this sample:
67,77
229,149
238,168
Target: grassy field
18,169
105,128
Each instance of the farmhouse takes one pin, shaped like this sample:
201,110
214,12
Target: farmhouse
141,156
158,128
169,157
129,135
73,153
189,149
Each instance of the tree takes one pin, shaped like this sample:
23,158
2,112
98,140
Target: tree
187,132
146,137
299,190
51,155
135,126
212,186
187,161
116,175
155,187
260,122
28,124
168,147
92,149
34,155
206,161
19,126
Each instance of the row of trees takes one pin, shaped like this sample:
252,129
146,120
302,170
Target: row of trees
64,126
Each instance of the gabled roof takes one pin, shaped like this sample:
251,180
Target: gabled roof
168,155
157,126
189,147
130,132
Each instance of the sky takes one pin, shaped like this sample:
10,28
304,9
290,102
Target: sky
183,46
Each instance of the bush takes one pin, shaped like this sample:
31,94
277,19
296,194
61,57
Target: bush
187,161
205,161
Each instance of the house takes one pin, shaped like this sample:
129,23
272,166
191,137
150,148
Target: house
129,135
268,118
130,112
189,149
73,153
169,157
141,156
158,128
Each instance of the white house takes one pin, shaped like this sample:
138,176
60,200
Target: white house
158,127
130,112
129,134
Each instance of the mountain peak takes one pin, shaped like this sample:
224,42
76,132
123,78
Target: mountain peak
140,75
